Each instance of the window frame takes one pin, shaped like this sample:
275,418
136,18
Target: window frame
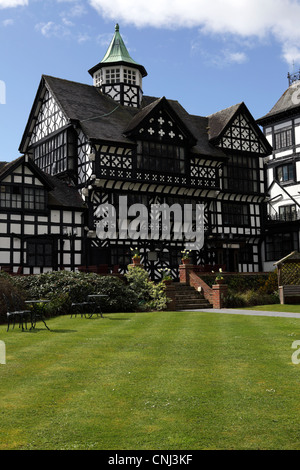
287,169
161,157
31,198
38,257
230,217
283,138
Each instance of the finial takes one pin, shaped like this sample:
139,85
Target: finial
117,28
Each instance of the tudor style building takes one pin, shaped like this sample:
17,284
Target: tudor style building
107,139
282,129
38,215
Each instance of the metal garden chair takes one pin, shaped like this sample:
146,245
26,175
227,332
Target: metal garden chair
15,310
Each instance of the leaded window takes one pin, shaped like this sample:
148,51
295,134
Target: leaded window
241,174
11,197
287,213
160,157
27,198
283,139
34,198
280,244
51,155
236,215
40,252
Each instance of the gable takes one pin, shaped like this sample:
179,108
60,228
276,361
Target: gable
160,122
242,136
239,132
46,117
50,118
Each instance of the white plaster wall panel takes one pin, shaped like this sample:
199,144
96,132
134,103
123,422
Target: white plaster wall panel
55,216
286,153
15,228
297,135
29,229
4,242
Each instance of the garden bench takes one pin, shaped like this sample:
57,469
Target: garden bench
289,293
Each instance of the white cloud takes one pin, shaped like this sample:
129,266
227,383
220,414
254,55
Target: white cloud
8,22
52,29
13,3
255,19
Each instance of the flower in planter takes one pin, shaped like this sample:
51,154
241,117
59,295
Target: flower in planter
185,254
135,253
219,276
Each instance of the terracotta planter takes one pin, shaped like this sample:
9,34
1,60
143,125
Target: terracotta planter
136,260
167,282
220,281
186,261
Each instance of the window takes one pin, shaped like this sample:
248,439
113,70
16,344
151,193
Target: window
98,78
34,199
130,76
112,76
12,197
287,213
241,174
236,215
51,156
285,173
280,244
40,252
283,139
161,157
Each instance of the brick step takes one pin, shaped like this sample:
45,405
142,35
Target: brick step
187,298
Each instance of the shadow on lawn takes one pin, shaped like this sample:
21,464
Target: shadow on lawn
37,330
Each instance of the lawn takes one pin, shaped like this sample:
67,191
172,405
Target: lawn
277,308
159,380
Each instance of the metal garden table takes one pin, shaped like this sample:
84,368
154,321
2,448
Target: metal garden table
97,303
37,311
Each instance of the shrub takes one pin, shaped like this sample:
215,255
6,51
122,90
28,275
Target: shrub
64,287
7,288
271,284
250,298
150,296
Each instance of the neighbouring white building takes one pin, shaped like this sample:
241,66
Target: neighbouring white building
281,127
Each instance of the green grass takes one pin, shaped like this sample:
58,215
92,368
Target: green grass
157,381
276,308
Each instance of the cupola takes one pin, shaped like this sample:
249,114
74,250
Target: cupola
118,75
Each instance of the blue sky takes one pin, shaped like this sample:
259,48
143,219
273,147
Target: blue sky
208,55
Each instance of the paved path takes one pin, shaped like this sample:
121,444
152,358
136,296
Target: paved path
262,313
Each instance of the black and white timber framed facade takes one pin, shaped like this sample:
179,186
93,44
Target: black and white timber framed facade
102,145
37,215
281,127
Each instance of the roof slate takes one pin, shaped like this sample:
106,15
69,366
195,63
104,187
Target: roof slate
288,102
104,120
60,193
